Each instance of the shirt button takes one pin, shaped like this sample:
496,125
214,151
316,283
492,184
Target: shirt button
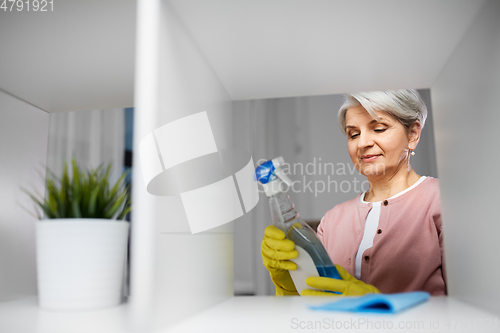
386,202
379,231
367,258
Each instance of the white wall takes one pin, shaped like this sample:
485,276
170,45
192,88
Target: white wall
23,152
465,100
174,273
79,56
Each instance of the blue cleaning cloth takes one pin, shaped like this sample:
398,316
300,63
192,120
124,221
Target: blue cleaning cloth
379,303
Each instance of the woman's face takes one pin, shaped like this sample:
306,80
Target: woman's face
377,148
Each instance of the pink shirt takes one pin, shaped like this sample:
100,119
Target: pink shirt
407,251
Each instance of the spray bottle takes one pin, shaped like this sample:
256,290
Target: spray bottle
286,218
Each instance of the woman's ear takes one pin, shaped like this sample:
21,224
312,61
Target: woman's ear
414,135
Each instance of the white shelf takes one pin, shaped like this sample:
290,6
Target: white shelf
256,314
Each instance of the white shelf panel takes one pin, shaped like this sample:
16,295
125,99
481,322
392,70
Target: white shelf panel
255,314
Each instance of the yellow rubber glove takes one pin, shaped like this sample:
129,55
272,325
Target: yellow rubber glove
348,286
276,252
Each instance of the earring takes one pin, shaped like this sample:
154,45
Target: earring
412,153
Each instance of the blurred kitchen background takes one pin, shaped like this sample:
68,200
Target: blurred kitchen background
304,130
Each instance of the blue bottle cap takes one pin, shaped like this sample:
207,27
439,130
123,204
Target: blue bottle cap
265,172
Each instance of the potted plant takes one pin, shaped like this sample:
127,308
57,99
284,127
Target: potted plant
82,241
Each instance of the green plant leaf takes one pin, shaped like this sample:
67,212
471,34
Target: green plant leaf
116,205
92,201
76,207
126,208
53,202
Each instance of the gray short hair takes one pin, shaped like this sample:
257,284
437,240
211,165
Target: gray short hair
405,105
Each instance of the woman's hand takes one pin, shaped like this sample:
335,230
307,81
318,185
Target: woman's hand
276,252
348,286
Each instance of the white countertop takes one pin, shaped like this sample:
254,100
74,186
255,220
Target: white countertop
258,314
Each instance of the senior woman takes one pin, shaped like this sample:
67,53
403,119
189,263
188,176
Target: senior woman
388,239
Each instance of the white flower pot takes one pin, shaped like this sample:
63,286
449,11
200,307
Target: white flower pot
80,263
